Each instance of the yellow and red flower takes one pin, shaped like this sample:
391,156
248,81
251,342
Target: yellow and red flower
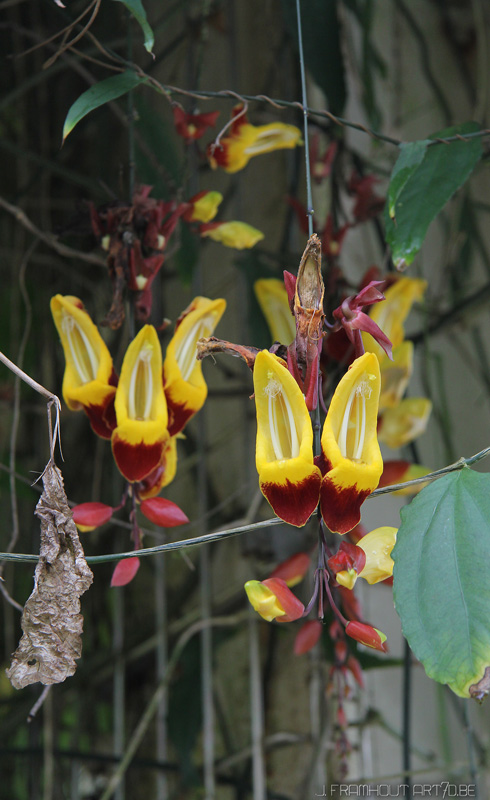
395,375
140,438
185,387
235,234
288,477
244,141
351,459
370,558
193,126
403,423
390,315
89,382
203,207
273,600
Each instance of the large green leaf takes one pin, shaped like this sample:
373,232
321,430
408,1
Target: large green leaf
99,94
321,46
411,156
441,582
426,188
135,7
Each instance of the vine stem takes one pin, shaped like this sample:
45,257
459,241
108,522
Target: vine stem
217,535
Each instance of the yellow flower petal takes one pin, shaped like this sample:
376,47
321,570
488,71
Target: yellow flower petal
141,409
263,601
185,387
395,375
377,546
88,361
350,450
402,424
289,479
234,234
273,300
204,206
393,311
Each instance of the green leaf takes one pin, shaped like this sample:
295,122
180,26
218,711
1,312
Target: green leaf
98,95
441,585
321,46
427,189
410,158
135,7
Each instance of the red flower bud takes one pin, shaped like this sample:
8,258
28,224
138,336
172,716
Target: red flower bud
367,635
125,571
307,636
340,650
163,512
354,667
293,570
88,516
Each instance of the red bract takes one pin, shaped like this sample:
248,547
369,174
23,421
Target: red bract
125,571
393,472
293,569
354,667
193,126
340,650
163,512
307,636
88,516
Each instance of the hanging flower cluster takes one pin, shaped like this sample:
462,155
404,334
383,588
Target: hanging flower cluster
136,238
339,476
143,410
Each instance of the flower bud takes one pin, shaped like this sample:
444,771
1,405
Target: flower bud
367,635
88,516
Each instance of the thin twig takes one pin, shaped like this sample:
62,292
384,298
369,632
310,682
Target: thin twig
66,45
37,705
66,30
8,598
48,238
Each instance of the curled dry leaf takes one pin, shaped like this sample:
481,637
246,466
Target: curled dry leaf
51,621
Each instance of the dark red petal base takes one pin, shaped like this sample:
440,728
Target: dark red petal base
341,508
102,418
293,502
178,416
136,461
